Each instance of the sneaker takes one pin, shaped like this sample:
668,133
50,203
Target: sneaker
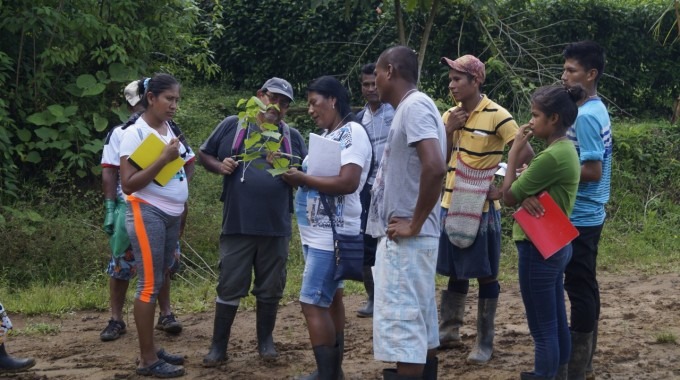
113,331
169,324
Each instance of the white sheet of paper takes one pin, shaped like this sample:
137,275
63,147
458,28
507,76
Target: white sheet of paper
323,156
502,168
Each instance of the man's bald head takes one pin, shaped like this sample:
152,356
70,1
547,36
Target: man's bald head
404,62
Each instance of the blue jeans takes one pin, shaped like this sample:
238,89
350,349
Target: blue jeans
542,287
318,286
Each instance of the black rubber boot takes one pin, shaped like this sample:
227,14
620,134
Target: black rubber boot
590,374
486,315
562,372
531,376
581,345
391,374
10,364
367,310
431,369
452,312
224,318
266,320
327,362
340,342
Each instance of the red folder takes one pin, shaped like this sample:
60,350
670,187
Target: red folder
550,232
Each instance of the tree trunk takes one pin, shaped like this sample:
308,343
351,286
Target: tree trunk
400,22
426,35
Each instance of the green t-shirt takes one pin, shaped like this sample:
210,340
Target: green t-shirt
557,170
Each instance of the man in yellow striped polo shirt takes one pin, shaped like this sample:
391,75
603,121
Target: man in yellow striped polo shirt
478,130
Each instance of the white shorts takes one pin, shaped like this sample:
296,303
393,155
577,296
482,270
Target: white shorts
405,323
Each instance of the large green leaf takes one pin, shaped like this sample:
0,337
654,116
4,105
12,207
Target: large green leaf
56,110
70,111
122,113
47,133
252,140
281,163
100,123
272,146
270,127
94,147
278,171
41,118
250,156
102,77
33,157
74,90
272,134
121,73
24,134
86,81
97,89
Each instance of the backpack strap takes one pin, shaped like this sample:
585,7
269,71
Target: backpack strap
287,146
238,137
178,133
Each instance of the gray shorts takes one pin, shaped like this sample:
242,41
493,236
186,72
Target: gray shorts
405,311
241,255
153,235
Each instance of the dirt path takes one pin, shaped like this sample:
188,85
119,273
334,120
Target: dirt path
635,309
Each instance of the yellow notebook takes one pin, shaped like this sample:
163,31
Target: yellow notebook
147,152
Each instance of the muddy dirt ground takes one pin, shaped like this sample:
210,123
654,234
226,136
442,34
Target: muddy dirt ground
635,311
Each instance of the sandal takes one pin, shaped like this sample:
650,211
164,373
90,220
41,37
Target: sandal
170,358
161,369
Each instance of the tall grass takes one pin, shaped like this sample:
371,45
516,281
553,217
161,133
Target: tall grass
55,252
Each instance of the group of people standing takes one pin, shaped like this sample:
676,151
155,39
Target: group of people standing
419,216
392,177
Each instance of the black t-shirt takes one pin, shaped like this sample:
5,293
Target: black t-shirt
260,204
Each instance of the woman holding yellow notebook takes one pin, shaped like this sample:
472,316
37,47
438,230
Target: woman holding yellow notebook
153,215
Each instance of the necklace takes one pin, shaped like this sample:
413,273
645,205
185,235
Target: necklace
336,127
409,92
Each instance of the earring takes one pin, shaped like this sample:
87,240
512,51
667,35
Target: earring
333,105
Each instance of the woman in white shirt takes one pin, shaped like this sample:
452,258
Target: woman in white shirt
153,215
320,294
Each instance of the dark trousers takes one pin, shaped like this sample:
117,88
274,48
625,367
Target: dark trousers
370,243
580,280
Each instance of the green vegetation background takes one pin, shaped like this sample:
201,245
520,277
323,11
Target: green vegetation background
54,256
63,64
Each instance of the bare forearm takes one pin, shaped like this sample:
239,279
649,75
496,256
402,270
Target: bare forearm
190,169
134,180
109,182
591,171
331,185
210,163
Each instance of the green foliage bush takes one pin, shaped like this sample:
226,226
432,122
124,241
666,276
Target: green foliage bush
62,68
522,50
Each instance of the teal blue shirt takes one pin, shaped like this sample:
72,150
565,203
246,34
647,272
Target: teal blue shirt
592,137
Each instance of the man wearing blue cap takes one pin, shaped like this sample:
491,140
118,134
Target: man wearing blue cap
256,226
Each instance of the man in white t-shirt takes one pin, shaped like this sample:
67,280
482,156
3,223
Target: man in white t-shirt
404,217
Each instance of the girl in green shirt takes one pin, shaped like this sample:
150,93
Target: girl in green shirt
556,170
